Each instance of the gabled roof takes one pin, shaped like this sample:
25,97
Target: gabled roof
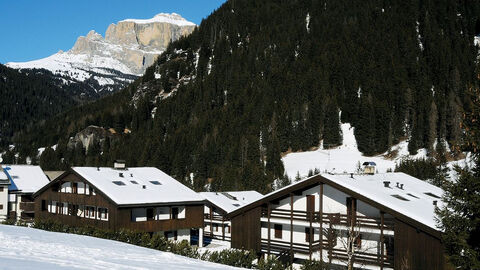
25,178
231,200
413,204
136,186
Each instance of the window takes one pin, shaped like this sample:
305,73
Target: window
118,183
332,237
1,206
278,230
74,187
150,213
307,234
432,195
1,189
174,213
411,195
215,227
134,182
70,209
102,213
227,229
389,245
90,211
58,208
44,205
175,235
400,197
155,183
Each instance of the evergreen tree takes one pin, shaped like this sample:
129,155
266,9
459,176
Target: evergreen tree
460,217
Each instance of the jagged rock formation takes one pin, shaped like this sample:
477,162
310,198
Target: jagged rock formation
107,64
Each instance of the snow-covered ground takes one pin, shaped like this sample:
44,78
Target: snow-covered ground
27,248
346,157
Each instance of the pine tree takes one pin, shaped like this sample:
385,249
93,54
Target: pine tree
460,217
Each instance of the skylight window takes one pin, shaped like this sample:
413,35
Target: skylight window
400,197
411,195
155,183
134,182
432,195
119,183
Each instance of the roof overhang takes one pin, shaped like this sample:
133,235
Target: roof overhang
319,179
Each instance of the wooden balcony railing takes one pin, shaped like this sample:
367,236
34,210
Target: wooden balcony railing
361,257
215,217
27,206
333,218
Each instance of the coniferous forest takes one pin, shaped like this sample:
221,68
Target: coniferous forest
260,78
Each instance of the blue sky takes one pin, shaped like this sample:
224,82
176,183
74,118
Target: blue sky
33,29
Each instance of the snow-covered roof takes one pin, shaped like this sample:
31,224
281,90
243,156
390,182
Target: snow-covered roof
232,200
414,201
25,178
173,18
3,178
141,185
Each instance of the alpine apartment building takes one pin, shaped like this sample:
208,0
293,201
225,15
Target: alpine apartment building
17,185
370,221
142,199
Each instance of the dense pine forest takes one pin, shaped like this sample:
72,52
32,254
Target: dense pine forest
29,97
260,78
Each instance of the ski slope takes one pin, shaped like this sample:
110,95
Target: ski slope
27,248
346,157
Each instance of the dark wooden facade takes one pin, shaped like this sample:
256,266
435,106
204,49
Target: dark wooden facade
416,246
417,250
118,216
246,230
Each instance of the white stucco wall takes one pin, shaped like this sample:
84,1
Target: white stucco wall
4,203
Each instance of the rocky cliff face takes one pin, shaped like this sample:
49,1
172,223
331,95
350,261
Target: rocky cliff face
109,63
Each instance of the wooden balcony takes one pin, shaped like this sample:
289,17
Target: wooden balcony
364,258
27,207
330,218
215,217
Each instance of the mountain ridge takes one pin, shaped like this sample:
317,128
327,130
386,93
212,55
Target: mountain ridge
110,63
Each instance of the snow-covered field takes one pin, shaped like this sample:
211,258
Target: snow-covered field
27,248
346,157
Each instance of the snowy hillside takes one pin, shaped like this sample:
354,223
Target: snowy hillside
26,248
346,157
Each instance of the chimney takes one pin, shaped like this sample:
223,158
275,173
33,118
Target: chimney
401,186
120,174
351,175
98,168
144,187
386,184
435,203
119,164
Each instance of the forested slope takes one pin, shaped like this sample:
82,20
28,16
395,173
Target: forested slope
259,78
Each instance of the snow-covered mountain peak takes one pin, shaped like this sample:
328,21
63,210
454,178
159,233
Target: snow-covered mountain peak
170,18
109,63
